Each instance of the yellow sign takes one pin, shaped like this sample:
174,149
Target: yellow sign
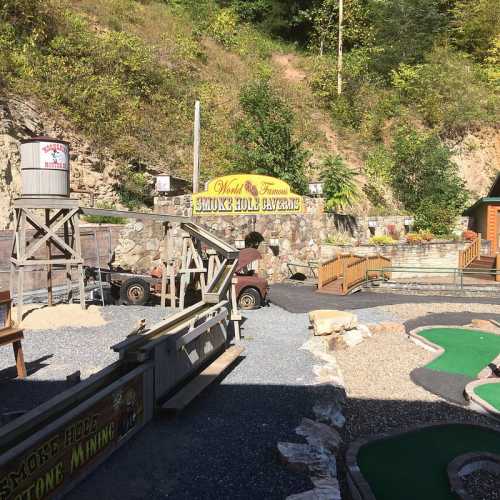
247,194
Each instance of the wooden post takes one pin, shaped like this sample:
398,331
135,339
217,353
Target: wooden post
49,257
18,354
339,60
78,245
497,267
196,147
69,287
164,268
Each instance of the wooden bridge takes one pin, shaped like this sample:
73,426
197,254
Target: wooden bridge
345,274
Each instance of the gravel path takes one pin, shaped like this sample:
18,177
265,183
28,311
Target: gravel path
223,446
51,355
381,395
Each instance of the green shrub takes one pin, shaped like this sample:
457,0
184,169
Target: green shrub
382,240
135,189
105,219
448,90
265,142
223,27
339,239
339,185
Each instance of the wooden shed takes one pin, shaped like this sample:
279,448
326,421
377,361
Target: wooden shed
485,214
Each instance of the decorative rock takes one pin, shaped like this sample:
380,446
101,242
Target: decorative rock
352,337
325,489
374,328
365,330
319,435
306,458
329,412
326,322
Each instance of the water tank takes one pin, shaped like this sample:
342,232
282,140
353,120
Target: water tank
44,168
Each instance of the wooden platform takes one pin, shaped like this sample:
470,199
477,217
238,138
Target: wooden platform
334,287
191,390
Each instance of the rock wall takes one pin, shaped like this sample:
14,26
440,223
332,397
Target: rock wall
443,255
300,237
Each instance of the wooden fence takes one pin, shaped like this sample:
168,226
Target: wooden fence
363,269
333,269
354,269
470,253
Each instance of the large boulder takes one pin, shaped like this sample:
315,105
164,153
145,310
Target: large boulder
327,322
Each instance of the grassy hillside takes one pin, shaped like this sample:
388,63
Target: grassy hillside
418,75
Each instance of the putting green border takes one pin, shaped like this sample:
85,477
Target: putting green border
360,488
415,336
466,464
478,403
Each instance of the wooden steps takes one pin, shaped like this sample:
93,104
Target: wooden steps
482,264
192,389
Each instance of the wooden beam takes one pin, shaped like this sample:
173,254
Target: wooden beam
133,215
210,374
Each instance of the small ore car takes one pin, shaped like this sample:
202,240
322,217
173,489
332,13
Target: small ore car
123,287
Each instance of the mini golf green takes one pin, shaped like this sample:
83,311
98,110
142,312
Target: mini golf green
489,393
413,465
467,352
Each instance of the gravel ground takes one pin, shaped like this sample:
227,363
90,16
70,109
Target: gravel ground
223,446
483,485
381,395
51,355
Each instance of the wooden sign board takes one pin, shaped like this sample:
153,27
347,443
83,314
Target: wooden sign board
245,194
52,462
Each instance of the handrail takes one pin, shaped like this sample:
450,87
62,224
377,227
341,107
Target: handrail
470,253
333,269
364,269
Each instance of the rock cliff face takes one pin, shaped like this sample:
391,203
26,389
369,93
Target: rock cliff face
21,119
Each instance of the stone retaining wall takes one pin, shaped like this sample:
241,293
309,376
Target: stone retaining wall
443,255
300,236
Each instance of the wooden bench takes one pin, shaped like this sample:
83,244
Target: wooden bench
10,334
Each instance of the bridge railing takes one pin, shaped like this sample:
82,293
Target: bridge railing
333,269
470,253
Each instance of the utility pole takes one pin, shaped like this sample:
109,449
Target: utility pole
196,147
339,58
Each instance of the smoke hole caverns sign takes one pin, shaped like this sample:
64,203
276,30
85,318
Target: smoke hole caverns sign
247,194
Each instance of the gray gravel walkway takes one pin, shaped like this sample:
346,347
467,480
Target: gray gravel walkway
223,446
51,355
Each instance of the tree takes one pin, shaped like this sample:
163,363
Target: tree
405,30
339,185
426,181
265,142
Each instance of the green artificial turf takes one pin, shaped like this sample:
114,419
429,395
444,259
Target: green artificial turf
413,466
489,393
467,352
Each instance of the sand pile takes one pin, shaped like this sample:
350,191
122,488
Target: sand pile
38,317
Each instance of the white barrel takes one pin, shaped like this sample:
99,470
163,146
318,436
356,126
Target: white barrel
44,168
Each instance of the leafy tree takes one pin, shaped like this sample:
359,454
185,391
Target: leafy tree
426,181
339,185
264,137
475,25
448,91
405,30
357,26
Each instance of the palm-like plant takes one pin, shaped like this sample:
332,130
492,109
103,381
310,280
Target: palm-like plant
339,184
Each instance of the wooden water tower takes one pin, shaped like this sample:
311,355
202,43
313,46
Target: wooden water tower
46,221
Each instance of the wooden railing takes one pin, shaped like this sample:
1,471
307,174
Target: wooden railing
363,269
333,269
497,266
470,253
